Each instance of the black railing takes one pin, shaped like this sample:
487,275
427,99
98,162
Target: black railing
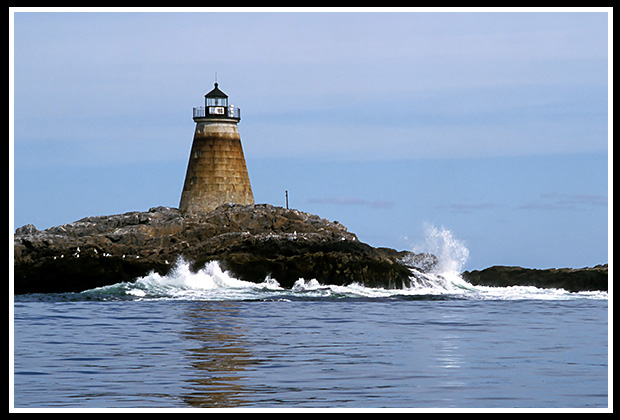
230,111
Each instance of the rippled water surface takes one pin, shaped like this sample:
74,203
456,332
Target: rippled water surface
311,348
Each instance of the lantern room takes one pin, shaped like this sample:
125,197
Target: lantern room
216,107
216,98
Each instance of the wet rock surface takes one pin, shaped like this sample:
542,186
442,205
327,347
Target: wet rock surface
250,241
571,279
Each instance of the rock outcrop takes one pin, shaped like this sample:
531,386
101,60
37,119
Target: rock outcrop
250,241
571,279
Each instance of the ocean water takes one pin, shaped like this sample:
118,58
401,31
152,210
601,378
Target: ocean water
206,339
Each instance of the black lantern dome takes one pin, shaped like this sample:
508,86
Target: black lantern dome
217,107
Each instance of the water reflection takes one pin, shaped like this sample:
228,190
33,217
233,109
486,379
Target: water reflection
448,333
448,353
218,355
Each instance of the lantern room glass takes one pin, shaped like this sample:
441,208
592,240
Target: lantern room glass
217,101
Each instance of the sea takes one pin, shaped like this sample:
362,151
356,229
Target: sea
206,340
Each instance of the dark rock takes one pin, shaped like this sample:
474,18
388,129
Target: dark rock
26,230
571,279
250,241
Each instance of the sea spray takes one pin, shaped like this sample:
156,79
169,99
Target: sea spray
210,282
439,279
451,253
445,259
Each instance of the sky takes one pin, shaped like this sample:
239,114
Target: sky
493,126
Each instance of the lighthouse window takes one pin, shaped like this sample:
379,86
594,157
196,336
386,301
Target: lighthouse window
217,110
194,180
197,154
217,102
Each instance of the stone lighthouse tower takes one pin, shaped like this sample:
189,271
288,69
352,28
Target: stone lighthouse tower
216,172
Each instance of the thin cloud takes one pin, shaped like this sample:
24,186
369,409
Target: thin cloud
468,207
352,201
558,201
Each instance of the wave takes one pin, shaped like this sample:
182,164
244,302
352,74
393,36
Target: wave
209,283
444,277
214,284
441,280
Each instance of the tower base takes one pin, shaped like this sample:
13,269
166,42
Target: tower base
216,172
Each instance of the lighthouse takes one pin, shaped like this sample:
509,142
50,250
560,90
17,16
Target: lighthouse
216,172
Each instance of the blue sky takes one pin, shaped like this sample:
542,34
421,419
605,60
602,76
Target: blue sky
492,125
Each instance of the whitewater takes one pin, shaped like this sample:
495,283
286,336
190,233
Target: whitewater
443,281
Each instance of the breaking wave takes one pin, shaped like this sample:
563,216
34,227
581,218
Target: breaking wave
441,281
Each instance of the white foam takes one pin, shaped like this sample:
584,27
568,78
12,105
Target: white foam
210,282
213,283
445,278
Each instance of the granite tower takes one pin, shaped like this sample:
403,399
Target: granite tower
216,172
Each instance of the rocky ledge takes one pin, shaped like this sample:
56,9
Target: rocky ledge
250,241
571,279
